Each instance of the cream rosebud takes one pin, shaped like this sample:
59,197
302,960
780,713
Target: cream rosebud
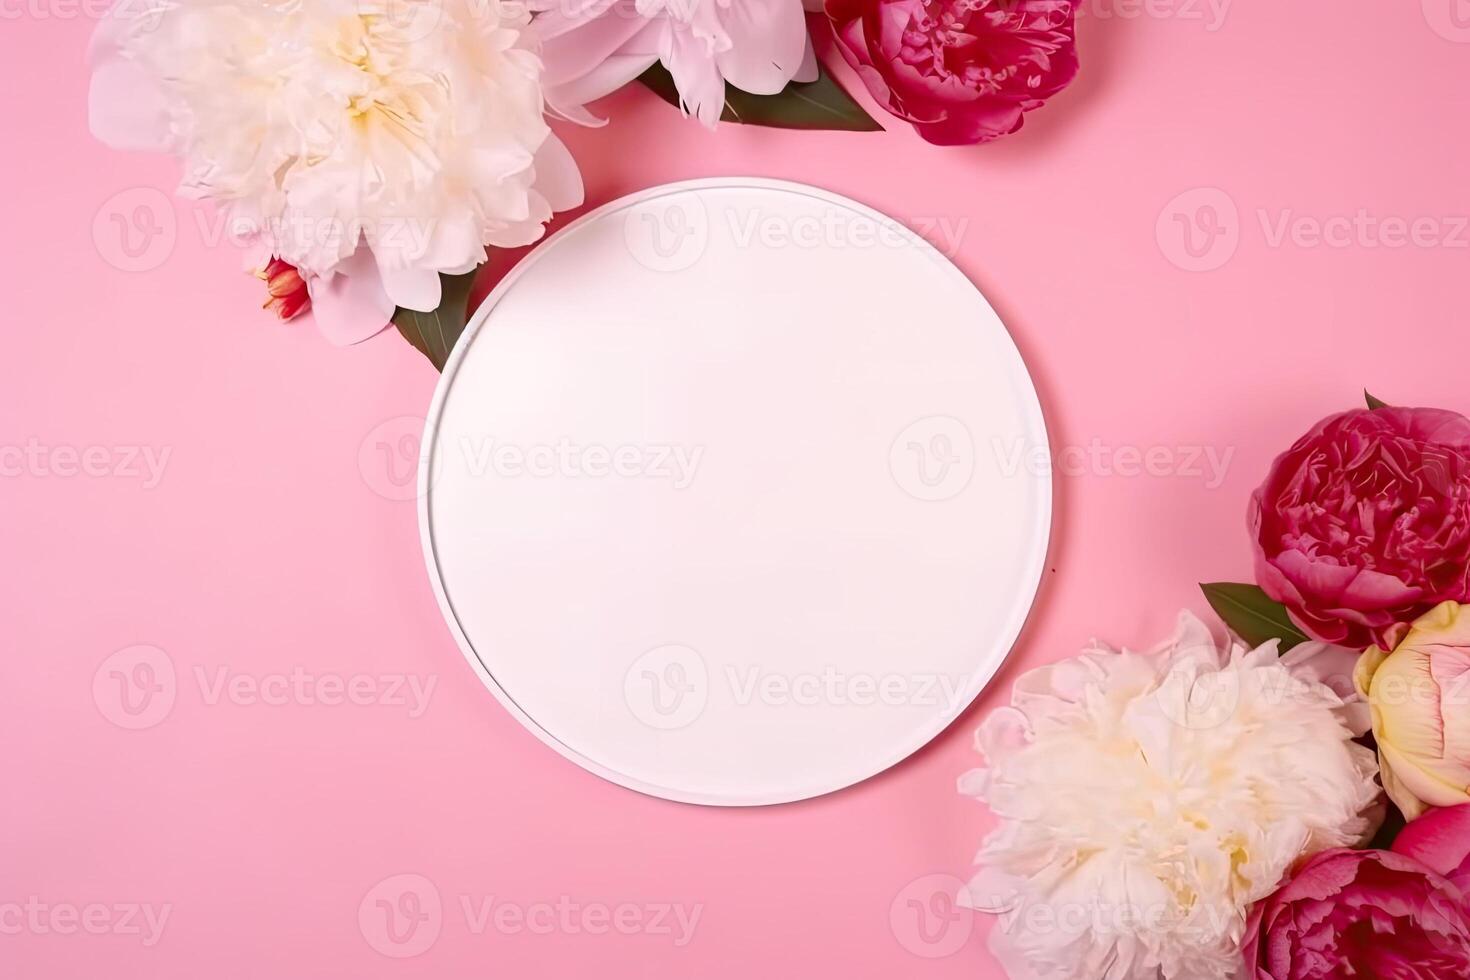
1419,696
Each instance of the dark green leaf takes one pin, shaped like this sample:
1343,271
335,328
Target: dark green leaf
434,334
1373,402
821,104
1254,616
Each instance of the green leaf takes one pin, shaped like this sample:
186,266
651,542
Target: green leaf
434,334
1373,402
1254,616
821,104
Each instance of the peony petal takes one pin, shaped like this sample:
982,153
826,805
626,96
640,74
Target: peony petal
126,107
701,87
412,289
1418,788
808,70
573,48
557,176
1440,839
768,43
351,305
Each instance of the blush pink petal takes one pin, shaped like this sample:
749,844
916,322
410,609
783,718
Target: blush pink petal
1423,785
351,305
697,77
808,70
557,177
126,105
413,289
768,41
574,48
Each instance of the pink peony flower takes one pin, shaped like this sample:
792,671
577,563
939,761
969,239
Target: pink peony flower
1441,840
592,47
1345,913
1416,696
1364,524
962,71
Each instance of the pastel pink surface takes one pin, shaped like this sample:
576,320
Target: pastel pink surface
273,542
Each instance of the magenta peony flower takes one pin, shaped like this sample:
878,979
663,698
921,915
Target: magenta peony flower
1346,913
962,71
1364,525
1440,840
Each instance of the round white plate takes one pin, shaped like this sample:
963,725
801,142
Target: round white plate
735,492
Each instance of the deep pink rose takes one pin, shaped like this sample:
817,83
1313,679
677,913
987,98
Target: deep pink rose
1364,524
962,71
1347,914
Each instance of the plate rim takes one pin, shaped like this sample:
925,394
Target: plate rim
1006,639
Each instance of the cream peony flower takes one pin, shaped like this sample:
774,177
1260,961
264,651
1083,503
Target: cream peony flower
1147,799
372,144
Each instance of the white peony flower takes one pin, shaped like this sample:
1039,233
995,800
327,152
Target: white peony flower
370,143
1147,799
593,47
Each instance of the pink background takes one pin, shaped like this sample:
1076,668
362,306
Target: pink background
267,547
